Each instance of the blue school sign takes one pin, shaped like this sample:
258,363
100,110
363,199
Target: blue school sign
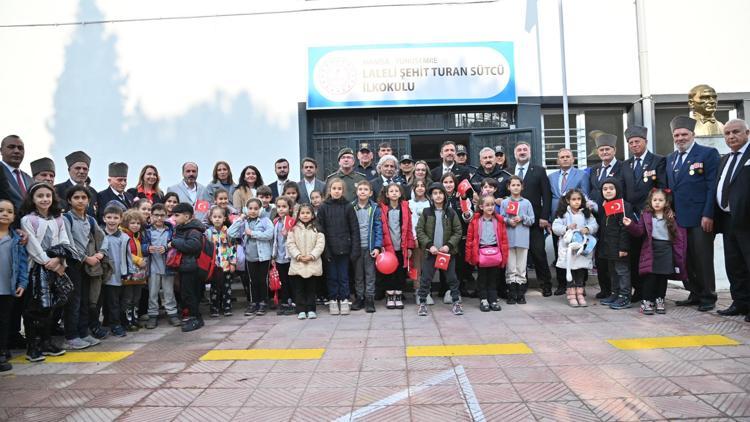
406,75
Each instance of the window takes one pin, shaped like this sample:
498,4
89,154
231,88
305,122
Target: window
475,120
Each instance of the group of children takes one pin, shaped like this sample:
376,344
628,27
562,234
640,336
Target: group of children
294,247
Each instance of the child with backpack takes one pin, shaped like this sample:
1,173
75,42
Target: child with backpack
663,250
487,248
14,276
158,235
281,226
305,245
519,216
398,238
438,234
132,225
45,228
226,262
574,223
188,240
256,233
339,224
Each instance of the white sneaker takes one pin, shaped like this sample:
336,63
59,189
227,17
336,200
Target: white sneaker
333,307
302,315
429,300
75,344
345,307
91,340
312,315
447,299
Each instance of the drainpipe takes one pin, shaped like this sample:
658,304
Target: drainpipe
566,122
646,100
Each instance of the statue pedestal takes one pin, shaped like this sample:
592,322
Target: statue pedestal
715,142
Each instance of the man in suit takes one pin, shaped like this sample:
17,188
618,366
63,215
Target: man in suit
12,152
4,186
115,194
733,215
43,170
536,189
641,172
448,155
281,167
387,166
309,182
366,167
192,192
691,175
78,169
561,181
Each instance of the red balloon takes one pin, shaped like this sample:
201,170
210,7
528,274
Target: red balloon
386,262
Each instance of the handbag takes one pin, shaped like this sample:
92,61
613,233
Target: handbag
490,256
274,282
174,259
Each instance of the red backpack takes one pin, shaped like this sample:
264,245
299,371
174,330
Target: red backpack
206,260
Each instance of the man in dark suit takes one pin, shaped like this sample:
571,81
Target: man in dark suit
536,189
281,167
78,168
606,148
4,186
449,164
641,172
733,215
309,182
12,152
387,166
115,194
691,175
366,166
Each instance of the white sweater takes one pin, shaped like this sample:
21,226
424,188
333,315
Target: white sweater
37,227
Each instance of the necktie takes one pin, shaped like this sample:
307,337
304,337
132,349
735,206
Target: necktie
388,181
122,198
603,174
19,180
520,172
678,165
728,181
638,170
564,182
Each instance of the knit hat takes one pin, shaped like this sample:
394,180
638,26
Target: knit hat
42,164
682,122
118,170
436,185
77,157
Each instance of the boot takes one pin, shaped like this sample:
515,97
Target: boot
570,294
512,289
370,304
390,298
358,304
580,297
521,294
399,300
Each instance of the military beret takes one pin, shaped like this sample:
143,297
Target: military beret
42,164
682,122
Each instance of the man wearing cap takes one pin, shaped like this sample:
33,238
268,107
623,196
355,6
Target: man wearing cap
12,152
606,148
537,190
366,167
78,169
692,171
488,168
641,172
388,175
462,158
448,164
733,215
346,173
115,194
500,157
43,170
309,182
406,168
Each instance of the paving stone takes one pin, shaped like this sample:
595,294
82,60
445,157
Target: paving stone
561,411
706,384
94,414
735,404
214,397
148,414
201,414
626,409
190,380
680,407
552,391
171,397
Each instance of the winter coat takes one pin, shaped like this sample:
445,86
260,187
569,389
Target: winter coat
560,227
305,240
474,234
20,260
375,235
645,226
452,230
188,239
262,229
407,238
613,236
338,221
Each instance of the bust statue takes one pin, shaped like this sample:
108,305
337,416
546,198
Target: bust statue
702,100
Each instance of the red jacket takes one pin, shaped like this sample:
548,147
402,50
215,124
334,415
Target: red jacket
473,235
407,235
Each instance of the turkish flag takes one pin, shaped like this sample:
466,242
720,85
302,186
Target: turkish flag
442,260
613,207
463,187
465,205
288,223
512,208
201,206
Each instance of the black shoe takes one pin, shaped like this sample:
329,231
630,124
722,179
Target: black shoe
705,307
358,304
521,299
99,332
546,292
49,349
33,350
119,331
280,311
261,309
370,305
690,301
4,364
495,306
560,291
603,295
484,306
192,324
733,310
512,293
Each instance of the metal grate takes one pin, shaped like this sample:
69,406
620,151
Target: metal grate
343,124
399,144
326,153
401,122
477,120
507,139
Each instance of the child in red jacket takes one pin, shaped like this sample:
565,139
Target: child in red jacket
398,238
486,236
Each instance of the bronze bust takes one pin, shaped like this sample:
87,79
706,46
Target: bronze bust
703,100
